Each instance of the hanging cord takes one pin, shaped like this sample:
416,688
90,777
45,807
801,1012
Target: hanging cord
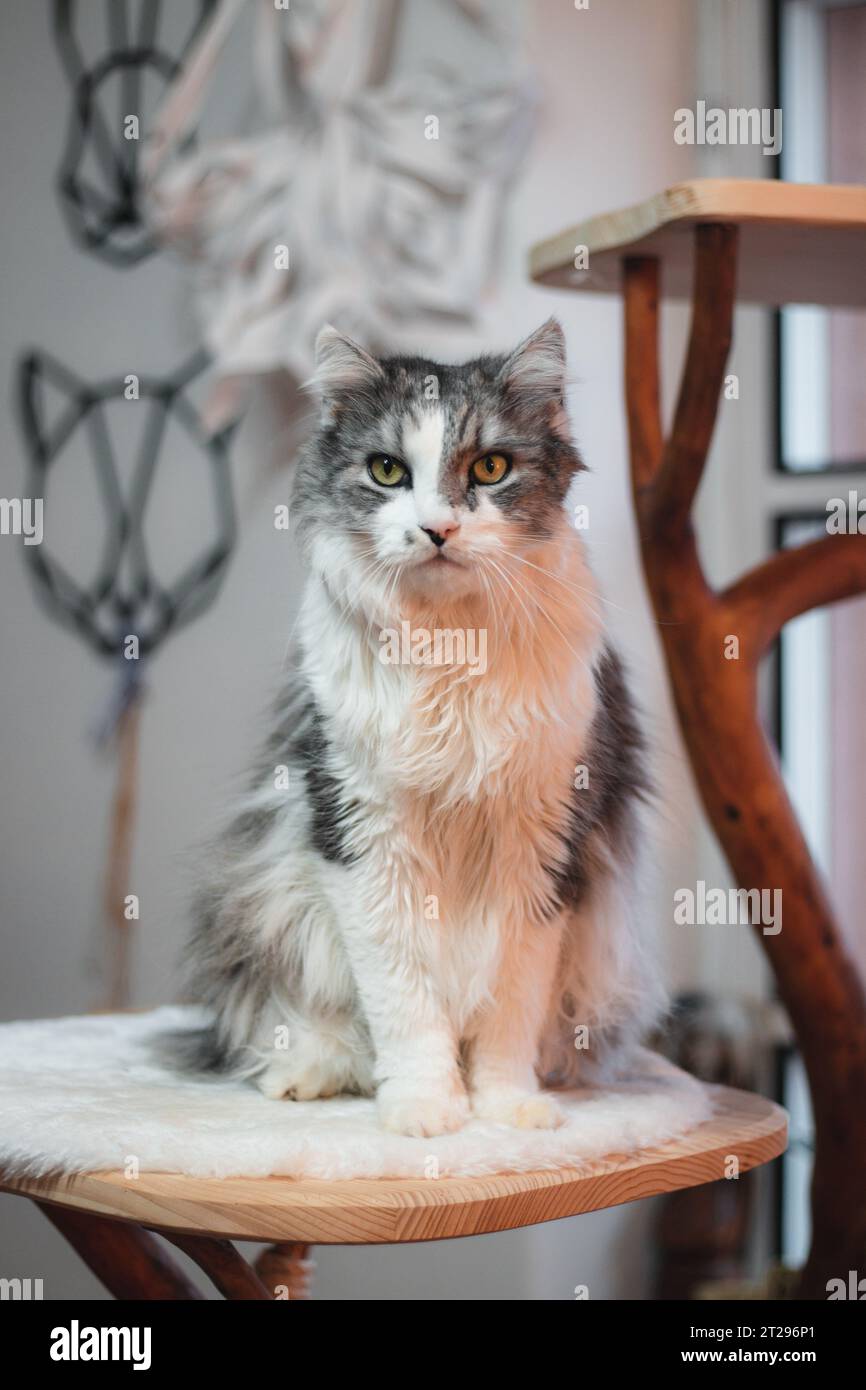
121,728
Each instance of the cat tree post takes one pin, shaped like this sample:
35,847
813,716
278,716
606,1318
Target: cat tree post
800,244
716,699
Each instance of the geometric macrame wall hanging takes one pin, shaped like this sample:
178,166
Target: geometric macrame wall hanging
101,454
126,596
111,101
81,442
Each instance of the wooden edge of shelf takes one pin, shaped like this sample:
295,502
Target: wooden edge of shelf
835,206
382,1210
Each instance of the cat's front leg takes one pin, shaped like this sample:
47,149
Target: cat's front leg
420,1089
504,1051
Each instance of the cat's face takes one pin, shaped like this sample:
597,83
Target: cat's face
433,477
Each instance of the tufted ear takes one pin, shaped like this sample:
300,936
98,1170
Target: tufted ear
342,364
537,365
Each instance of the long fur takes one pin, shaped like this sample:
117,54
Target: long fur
423,894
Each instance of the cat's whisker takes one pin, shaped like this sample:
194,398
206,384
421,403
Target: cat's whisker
498,569
493,600
569,584
372,575
580,589
549,617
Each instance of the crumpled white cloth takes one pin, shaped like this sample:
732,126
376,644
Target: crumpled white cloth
89,1093
386,229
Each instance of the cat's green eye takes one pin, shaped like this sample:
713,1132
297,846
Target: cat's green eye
492,468
385,471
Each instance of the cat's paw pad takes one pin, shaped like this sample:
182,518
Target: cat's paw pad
521,1109
404,1109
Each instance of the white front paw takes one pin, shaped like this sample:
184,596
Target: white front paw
422,1109
507,1105
289,1081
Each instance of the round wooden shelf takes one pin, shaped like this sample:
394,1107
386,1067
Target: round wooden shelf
748,1127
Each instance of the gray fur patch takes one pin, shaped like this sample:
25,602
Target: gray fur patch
330,812
617,780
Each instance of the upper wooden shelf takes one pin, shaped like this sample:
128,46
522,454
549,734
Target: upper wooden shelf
800,243
372,1211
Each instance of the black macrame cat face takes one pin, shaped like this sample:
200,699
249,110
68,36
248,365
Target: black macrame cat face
119,57
150,551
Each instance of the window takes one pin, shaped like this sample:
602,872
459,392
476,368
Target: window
821,84
821,414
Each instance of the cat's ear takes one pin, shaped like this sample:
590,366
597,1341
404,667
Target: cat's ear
537,365
342,364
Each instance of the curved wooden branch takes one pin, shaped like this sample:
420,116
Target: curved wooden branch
642,393
735,768
675,567
226,1268
129,1261
794,581
715,278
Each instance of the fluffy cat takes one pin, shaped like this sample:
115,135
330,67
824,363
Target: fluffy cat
426,893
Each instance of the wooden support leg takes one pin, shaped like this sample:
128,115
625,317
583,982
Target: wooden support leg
129,1261
286,1270
735,768
227,1270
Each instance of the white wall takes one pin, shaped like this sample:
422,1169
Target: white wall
611,78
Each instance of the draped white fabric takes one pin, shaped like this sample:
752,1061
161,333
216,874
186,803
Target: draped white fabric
384,184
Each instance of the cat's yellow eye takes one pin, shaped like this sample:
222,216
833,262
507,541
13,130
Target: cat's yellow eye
492,468
386,471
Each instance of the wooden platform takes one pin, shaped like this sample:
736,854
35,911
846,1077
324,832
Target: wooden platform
799,243
749,1127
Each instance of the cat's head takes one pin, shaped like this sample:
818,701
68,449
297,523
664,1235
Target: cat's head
427,478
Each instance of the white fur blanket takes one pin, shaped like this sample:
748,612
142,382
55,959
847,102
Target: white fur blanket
81,1094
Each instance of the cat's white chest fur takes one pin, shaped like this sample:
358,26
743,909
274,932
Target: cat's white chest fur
465,776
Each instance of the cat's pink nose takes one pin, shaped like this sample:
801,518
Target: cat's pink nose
442,532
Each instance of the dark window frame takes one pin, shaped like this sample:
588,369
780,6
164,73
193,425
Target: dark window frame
779,467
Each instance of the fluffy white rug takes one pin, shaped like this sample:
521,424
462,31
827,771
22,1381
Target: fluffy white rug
86,1093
